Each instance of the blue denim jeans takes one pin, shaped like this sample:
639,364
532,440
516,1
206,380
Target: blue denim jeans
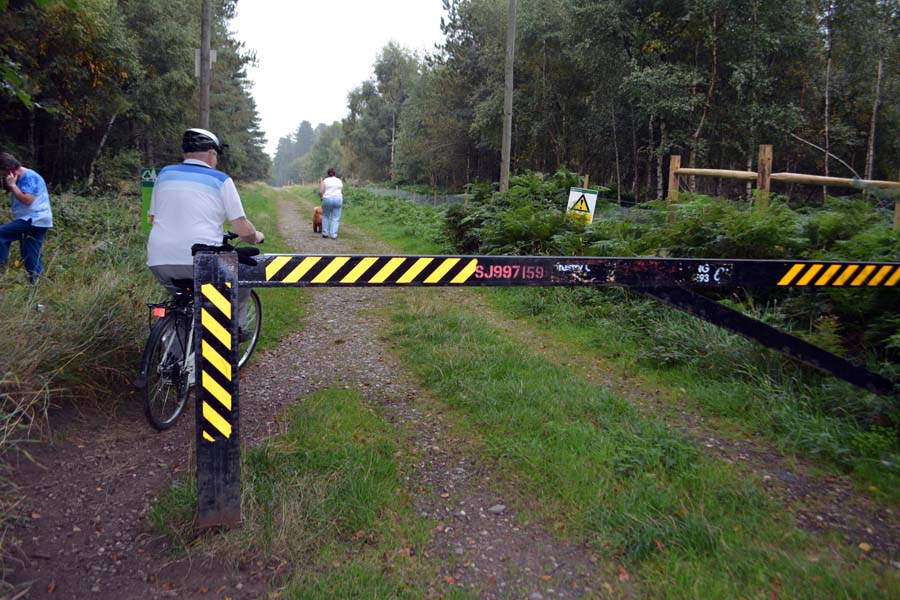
331,216
31,240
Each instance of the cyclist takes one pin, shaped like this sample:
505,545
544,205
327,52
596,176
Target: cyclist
189,205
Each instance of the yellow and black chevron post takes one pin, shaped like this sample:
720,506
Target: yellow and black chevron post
215,366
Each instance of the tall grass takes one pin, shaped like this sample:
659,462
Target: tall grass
416,229
725,375
79,329
77,336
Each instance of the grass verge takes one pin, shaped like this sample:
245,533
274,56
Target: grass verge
620,480
715,372
690,527
721,375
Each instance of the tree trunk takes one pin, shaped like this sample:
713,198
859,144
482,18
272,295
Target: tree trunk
434,186
870,154
650,154
714,61
829,41
205,35
660,153
31,135
393,132
90,177
616,148
506,145
749,186
635,159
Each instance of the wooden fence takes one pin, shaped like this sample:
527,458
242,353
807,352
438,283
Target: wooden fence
764,178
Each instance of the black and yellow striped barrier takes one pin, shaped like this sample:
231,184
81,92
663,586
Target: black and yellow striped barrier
841,275
217,277
276,270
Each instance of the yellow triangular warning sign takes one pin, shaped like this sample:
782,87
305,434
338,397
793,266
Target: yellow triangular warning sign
581,205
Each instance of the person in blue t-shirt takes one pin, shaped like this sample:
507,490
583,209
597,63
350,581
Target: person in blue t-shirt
31,213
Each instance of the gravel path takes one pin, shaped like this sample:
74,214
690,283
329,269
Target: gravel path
478,537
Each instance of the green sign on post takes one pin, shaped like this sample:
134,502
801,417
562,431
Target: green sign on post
148,178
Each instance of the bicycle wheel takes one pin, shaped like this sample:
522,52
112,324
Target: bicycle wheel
249,332
167,382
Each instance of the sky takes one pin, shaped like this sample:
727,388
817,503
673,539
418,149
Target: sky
312,53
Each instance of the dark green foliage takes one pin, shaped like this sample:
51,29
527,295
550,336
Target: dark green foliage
860,324
611,88
710,227
524,220
90,80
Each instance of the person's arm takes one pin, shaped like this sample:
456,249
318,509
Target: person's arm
321,188
21,196
247,232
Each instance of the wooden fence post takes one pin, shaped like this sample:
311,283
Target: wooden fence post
763,176
897,211
672,195
586,178
674,165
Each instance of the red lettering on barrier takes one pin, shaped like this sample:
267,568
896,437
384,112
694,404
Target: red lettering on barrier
509,272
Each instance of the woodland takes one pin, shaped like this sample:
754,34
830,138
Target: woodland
608,88
612,88
109,87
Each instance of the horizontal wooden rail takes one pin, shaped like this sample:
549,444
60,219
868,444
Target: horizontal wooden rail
726,173
833,181
791,178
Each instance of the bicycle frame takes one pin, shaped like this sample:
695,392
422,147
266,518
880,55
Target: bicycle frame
181,310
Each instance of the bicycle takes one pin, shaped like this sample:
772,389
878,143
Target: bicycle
167,366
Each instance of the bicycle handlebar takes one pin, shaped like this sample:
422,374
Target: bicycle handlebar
245,253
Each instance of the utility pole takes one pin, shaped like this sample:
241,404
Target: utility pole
508,96
205,18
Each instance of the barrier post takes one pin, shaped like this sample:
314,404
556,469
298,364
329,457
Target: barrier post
216,373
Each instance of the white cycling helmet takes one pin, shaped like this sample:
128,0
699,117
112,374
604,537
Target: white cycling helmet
200,140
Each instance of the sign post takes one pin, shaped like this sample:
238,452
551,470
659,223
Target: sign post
148,178
581,204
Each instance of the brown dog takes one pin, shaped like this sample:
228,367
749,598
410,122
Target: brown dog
317,220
